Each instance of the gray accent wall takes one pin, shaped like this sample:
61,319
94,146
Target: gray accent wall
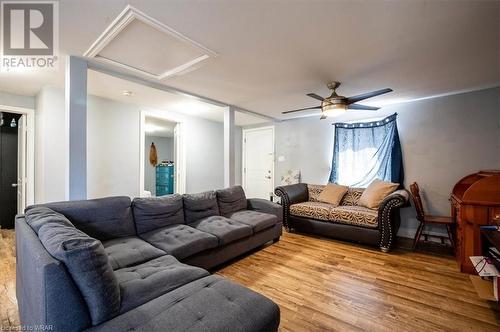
165,151
443,139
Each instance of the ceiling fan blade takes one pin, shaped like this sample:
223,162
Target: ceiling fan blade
323,116
355,99
362,107
302,109
315,96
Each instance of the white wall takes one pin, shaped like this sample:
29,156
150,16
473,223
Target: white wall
10,99
443,139
238,146
113,140
165,150
50,146
204,155
112,148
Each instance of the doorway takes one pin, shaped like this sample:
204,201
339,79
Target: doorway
258,162
162,170
16,162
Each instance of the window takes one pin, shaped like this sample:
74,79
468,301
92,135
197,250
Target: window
366,151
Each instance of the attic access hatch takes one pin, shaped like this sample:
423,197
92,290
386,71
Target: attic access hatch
139,43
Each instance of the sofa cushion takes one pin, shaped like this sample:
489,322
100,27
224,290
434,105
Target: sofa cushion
267,207
231,200
314,190
225,229
352,215
88,265
351,198
375,193
180,241
38,216
103,218
155,212
315,210
332,194
199,206
127,251
142,283
355,215
208,304
257,220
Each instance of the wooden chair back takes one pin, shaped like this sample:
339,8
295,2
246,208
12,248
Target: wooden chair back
417,201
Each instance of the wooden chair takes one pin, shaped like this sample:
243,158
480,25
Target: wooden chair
425,219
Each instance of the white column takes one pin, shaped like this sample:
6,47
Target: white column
76,129
229,153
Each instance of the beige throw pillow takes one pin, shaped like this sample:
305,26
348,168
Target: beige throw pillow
375,193
332,194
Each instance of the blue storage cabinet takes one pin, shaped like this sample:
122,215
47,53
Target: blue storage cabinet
164,179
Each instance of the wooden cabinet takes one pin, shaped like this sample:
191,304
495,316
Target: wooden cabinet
475,202
495,216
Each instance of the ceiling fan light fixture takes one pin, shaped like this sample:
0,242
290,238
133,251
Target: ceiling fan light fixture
331,109
334,107
335,112
336,104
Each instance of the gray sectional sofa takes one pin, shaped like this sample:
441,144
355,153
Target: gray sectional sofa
113,264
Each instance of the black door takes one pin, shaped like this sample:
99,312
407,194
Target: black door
8,169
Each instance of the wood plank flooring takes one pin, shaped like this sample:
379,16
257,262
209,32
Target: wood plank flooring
8,302
326,285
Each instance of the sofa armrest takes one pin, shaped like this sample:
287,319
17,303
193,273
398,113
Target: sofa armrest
291,194
389,218
265,206
45,291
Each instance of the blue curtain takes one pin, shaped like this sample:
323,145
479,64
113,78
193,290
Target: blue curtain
366,151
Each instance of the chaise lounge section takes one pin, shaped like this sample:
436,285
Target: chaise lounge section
113,264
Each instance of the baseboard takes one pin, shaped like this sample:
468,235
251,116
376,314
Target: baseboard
410,233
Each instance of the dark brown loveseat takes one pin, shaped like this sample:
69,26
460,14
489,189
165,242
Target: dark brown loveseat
303,212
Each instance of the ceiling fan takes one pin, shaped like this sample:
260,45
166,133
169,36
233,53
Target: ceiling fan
337,103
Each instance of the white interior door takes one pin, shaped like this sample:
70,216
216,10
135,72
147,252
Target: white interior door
21,164
258,162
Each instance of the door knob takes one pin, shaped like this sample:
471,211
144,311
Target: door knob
14,185
268,177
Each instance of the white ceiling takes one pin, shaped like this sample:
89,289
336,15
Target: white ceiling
159,51
110,87
159,127
271,53
155,54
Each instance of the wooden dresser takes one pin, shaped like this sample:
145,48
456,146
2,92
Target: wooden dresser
475,201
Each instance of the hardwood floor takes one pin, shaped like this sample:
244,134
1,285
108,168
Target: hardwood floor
8,302
322,284
325,285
